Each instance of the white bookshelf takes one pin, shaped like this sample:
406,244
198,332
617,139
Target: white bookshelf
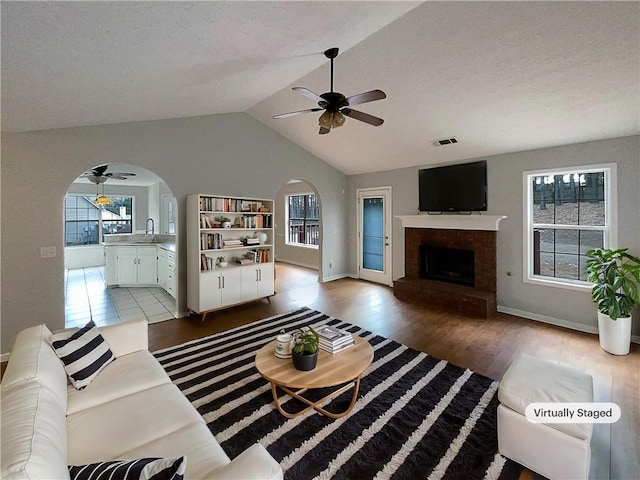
210,286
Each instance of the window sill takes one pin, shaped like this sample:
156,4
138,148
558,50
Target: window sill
301,245
557,283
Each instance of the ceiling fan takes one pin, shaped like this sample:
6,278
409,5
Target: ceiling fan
100,175
336,106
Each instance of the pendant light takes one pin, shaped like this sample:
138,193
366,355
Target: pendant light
101,200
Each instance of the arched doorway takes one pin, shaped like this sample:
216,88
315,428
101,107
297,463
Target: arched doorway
298,231
120,258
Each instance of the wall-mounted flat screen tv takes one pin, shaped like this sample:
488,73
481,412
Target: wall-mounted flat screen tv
454,188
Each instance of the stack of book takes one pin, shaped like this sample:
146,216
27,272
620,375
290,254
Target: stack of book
334,340
251,241
231,243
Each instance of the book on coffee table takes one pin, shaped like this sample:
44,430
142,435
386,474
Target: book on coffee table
338,348
332,339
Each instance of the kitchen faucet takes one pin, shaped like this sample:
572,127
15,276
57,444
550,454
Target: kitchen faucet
146,231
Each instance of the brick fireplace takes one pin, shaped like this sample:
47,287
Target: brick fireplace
458,234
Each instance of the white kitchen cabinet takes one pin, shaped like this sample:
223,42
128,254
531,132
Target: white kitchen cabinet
163,268
257,281
246,244
170,282
111,265
137,265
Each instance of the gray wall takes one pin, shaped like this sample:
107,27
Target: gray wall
307,257
229,154
555,305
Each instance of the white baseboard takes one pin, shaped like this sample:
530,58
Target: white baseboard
4,357
556,321
331,278
299,264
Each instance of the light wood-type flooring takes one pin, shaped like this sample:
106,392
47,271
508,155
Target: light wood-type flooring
486,346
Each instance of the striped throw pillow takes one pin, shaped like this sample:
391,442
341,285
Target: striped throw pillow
84,354
143,469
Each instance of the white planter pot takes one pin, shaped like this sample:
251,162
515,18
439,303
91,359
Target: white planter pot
615,335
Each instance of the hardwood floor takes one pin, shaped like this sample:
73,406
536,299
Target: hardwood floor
486,346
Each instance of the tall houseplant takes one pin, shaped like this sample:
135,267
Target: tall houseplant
615,274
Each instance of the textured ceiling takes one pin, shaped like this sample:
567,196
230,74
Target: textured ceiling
499,76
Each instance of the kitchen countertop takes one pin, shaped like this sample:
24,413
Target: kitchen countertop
170,247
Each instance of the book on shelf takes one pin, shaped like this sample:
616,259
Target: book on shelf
206,263
262,255
243,261
210,241
232,243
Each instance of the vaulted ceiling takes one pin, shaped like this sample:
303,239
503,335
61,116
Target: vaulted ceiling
498,76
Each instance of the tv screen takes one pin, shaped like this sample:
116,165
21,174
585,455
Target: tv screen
454,188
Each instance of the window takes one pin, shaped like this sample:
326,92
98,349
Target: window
567,213
303,225
85,223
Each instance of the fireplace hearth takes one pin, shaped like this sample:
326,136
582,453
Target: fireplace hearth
431,280
450,265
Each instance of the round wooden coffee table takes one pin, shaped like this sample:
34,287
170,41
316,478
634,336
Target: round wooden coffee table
332,369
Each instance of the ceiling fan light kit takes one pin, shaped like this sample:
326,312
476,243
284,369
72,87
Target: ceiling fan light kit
335,104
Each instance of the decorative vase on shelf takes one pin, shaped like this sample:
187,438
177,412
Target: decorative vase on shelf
226,224
261,236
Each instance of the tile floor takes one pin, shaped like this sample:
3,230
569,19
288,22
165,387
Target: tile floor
87,297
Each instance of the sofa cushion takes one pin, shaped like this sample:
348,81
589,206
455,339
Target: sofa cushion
129,374
84,354
140,469
33,358
34,442
106,431
196,442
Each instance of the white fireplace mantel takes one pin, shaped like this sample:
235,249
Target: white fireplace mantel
452,222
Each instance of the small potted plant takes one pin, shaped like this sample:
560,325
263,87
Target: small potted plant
305,349
222,262
225,221
615,275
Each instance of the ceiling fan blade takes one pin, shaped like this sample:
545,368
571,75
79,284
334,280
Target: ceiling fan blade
309,94
365,97
100,170
291,114
120,174
117,176
324,130
363,117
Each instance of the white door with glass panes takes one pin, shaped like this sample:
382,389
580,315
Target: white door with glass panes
374,234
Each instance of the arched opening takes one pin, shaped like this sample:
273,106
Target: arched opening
120,256
298,233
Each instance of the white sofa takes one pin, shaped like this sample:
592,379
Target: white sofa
130,410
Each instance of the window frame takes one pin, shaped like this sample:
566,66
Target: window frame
287,239
609,229
99,220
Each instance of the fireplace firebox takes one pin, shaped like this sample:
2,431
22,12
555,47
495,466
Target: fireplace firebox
447,265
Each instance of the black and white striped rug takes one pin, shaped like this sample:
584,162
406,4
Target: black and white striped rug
416,416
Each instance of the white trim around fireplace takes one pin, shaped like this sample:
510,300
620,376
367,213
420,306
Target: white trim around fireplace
452,222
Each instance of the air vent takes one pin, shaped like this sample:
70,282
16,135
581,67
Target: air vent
445,141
